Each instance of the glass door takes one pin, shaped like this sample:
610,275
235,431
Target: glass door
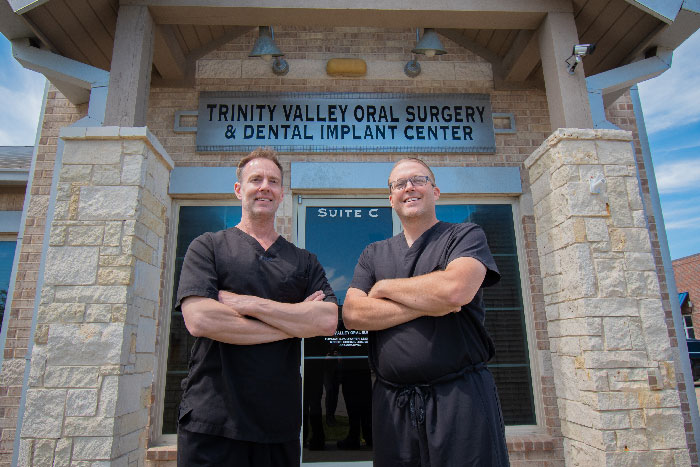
337,379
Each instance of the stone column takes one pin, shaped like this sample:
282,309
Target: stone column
613,362
94,346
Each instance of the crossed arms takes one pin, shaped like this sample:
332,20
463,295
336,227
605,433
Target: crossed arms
228,319
391,302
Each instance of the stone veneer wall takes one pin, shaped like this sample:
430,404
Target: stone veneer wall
621,114
613,359
58,113
94,346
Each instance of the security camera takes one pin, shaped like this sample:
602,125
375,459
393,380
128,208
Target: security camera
581,50
577,54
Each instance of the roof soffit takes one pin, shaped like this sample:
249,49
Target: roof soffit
514,55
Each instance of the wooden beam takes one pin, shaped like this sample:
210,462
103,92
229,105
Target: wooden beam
167,54
567,95
522,58
508,6
457,14
130,76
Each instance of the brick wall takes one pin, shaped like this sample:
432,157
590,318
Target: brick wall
12,198
687,273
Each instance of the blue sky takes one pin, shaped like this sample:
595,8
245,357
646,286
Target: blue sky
671,105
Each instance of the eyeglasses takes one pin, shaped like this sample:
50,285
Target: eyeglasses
416,180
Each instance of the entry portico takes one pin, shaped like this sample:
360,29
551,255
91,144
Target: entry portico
90,338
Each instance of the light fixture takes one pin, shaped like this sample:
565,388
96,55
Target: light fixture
429,45
579,51
266,49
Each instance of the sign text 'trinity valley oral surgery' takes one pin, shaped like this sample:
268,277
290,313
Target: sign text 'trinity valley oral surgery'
365,122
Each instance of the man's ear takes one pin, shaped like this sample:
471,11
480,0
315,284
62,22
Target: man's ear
237,190
436,192
391,200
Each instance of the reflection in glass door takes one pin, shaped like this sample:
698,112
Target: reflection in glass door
337,230
337,379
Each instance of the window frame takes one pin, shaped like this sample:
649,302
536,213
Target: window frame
156,435
536,370
688,328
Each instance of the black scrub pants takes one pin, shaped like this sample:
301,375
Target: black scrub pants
203,450
449,424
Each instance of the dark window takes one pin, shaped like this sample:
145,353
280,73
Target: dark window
505,316
7,256
338,241
193,221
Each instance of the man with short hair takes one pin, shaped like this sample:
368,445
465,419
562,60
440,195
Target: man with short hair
419,294
248,295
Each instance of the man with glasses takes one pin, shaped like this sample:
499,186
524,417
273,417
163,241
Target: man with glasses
419,294
248,295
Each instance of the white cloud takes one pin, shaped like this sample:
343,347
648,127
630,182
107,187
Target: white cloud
686,223
336,282
687,207
673,98
673,177
675,149
21,98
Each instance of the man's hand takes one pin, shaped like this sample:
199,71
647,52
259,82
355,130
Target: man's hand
240,303
205,317
309,318
382,289
436,293
317,296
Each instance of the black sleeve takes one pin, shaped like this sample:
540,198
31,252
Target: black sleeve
364,278
198,276
469,241
318,281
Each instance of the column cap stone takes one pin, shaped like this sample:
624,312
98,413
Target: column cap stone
575,134
118,133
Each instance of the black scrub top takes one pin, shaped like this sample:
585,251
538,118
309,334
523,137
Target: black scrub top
246,392
428,348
